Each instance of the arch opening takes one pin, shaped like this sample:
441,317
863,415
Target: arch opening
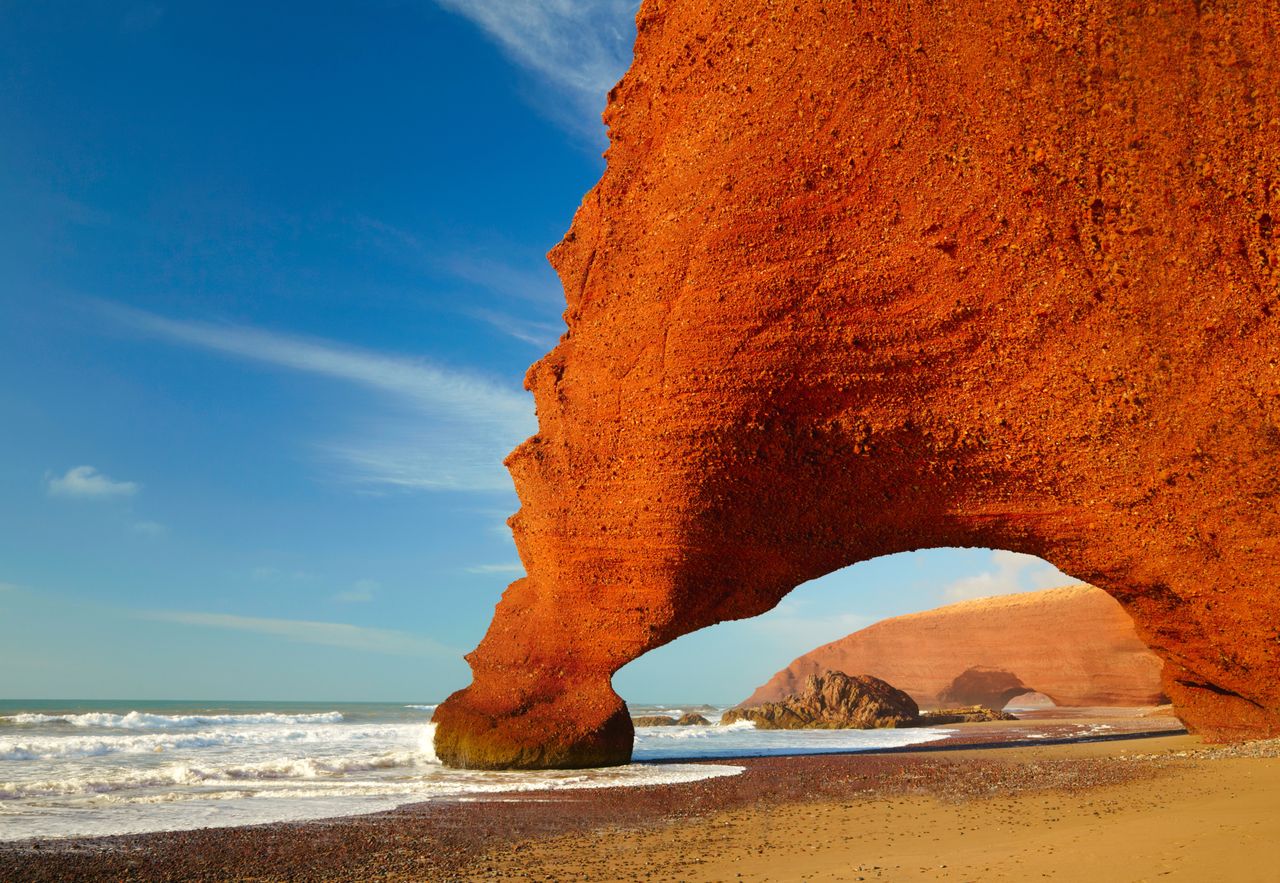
1031,701
952,627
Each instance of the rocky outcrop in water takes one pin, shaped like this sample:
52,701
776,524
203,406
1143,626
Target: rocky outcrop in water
1076,645
833,701
688,719
653,720
862,278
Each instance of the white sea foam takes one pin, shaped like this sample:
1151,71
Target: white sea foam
720,732
49,747
423,707
138,720
179,805
427,743
86,772
284,778
742,739
119,778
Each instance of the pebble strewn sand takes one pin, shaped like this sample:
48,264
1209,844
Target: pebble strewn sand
928,813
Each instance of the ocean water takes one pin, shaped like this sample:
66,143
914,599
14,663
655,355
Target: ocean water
89,768
742,739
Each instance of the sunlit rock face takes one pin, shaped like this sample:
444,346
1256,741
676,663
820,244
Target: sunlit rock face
1075,645
832,700
868,277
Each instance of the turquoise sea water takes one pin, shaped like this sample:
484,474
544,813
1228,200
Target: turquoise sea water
106,767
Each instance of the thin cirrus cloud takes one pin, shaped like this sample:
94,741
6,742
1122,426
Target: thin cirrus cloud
87,483
361,592
542,335
531,286
514,567
578,49
535,282
520,275
799,621
1009,572
328,634
442,429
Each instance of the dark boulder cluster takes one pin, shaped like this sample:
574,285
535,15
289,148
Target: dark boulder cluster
837,701
688,719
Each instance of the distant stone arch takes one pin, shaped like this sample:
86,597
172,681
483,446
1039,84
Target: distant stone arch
1074,644
982,685
866,278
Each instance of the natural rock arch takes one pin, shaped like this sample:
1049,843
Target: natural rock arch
989,687
869,277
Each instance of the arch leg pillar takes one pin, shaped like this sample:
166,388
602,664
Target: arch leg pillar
541,696
572,725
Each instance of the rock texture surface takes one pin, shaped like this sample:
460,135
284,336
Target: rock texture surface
975,714
833,700
994,687
861,278
654,720
1076,645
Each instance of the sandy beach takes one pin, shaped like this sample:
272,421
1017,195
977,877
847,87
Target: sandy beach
1134,803
1184,815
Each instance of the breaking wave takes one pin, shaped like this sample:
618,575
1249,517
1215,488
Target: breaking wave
187,774
74,747
141,720
742,739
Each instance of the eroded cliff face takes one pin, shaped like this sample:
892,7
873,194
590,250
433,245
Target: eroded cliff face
1076,645
869,277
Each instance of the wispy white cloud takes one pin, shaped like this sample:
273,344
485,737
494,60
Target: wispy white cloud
802,622
578,48
86,482
514,567
416,454
528,286
542,335
415,380
535,282
150,528
450,429
329,634
519,274
1009,572
498,521
362,592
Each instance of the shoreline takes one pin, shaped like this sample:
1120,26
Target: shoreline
559,832
1178,811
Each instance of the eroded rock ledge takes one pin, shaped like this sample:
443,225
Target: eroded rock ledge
868,277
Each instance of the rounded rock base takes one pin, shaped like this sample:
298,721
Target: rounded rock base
560,733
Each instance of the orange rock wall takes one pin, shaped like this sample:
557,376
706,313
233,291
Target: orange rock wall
868,277
1076,645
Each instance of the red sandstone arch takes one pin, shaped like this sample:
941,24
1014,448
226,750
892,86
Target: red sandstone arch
869,277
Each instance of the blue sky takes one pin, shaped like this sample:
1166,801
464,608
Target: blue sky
270,277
